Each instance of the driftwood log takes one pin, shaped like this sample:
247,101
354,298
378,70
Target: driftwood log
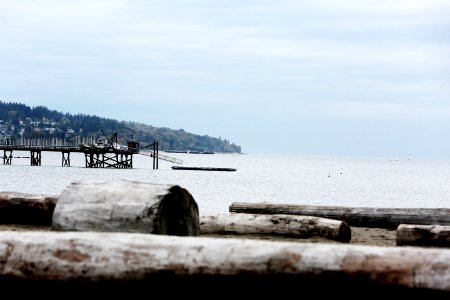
23,208
126,206
389,218
112,261
423,235
284,225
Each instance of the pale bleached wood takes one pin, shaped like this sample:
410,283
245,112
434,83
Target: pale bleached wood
126,206
423,235
389,218
24,208
285,225
116,258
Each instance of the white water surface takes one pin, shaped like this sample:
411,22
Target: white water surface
293,179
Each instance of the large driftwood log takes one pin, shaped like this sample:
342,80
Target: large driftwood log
23,208
285,225
112,260
423,235
126,206
389,218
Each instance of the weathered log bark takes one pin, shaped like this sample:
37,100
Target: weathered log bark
113,260
23,208
389,218
423,235
285,225
126,206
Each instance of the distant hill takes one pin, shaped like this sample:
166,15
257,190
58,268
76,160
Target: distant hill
19,121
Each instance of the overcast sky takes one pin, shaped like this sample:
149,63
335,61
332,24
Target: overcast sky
322,77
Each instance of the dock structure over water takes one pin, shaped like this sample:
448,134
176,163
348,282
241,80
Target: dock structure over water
95,157
106,153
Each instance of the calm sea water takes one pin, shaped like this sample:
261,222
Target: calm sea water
368,182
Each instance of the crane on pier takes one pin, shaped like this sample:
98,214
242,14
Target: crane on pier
134,147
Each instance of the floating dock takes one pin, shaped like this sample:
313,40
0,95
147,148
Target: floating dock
189,151
203,168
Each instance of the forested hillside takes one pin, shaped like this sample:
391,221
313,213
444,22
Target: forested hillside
18,121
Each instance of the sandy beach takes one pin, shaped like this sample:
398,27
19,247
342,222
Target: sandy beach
360,235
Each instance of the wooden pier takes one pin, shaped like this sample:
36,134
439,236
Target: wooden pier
107,154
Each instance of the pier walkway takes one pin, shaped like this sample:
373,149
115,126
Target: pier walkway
96,155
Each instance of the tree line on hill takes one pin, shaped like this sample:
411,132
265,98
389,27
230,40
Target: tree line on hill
19,121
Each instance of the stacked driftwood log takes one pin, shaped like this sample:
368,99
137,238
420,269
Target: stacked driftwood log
123,236
414,226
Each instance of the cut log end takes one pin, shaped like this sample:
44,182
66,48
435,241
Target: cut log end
24,208
345,233
178,213
127,206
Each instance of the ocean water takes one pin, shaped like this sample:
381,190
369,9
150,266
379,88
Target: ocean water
293,179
